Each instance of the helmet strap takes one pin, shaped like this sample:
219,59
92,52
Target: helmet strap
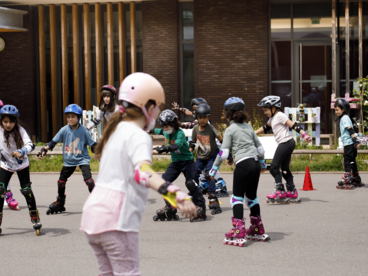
148,117
273,113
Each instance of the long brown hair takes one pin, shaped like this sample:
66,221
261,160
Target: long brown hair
111,106
132,112
15,132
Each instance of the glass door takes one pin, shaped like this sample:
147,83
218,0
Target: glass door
312,82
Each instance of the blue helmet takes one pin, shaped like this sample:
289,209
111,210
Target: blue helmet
9,110
74,108
234,103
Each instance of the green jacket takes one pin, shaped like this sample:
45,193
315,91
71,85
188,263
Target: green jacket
178,137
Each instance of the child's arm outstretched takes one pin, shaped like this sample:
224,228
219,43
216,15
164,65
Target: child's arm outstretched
146,176
51,145
297,128
264,129
180,140
183,110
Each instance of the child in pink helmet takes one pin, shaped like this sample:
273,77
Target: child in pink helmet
113,212
107,106
10,201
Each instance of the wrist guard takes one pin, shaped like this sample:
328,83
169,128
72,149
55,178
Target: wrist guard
51,145
230,159
266,128
192,145
263,164
43,150
308,137
213,171
356,142
93,147
172,194
162,149
174,148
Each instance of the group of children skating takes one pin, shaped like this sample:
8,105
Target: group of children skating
113,212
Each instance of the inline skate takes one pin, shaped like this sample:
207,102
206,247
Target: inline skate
167,212
12,203
56,206
237,234
221,190
346,183
278,196
201,213
292,193
35,218
256,230
357,181
214,204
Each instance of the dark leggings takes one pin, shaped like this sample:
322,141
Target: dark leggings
350,154
66,172
245,182
25,184
283,157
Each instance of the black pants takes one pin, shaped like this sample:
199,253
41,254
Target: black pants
24,180
282,158
66,172
350,154
188,169
245,182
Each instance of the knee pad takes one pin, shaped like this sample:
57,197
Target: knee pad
251,202
2,190
236,200
191,186
61,184
274,170
91,184
26,189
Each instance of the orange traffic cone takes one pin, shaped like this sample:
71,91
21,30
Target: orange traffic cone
308,186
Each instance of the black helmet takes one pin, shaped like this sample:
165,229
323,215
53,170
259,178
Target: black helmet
166,116
203,110
343,104
270,101
198,101
234,103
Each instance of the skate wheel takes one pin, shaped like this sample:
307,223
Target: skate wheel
169,218
63,209
38,232
176,217
162,219
191,219
213,212
48,212
155,218
18,209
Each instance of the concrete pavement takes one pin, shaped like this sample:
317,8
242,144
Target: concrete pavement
326,234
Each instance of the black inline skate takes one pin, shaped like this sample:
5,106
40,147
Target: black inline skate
35,218
357,181
57,206
201,213
221,190
214,204
166,212
346,183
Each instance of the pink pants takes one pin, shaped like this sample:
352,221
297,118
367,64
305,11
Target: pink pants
117,253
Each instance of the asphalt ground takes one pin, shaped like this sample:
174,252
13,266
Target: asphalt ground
326,234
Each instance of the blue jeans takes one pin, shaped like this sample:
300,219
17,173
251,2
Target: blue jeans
206,164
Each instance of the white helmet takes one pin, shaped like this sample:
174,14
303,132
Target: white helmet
270,101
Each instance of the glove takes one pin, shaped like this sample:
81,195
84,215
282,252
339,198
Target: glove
172,194
43,150
161,149
356,142
263,164
308,137
213,171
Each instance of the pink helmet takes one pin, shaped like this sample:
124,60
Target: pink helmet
138,89
1,103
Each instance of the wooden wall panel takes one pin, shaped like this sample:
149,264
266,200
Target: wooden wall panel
110,45
121,41
64,58
42,60
87,57
99,52
54,80
76,54
133,47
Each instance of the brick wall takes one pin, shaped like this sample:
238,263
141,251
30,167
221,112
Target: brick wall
160,29
18,70
231,52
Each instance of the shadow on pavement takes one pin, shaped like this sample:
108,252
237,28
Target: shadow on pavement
151,201
44,231
306,199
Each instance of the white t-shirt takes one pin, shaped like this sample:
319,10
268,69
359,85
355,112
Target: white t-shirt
117,202
8,162
279,128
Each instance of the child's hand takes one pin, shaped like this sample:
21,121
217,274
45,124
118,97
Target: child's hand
16,154
155,151
175,106
187,208
263,170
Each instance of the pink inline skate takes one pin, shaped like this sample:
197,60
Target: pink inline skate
278,196
237,234
292,193
12,203
256,230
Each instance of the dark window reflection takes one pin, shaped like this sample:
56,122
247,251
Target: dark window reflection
280,60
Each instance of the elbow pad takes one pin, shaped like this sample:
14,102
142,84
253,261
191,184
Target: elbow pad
266,128
297,127
51,145
192,145
142,174
174,148
223,154
351,131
